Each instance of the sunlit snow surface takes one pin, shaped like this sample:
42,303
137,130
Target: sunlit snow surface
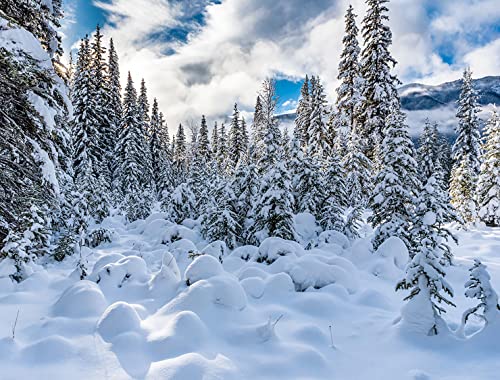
264,313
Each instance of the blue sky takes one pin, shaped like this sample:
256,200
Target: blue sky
199,56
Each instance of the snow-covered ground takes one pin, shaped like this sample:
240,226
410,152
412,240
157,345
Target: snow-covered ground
158,304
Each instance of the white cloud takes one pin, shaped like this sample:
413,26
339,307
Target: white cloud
243,41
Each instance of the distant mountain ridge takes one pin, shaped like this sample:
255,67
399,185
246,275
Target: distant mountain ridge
417,97
420,97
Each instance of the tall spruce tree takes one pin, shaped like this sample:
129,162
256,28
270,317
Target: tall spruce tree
466,152
488,189
319,141
221,219
204,150
303,118
395,184
237,139
114,108
132,161
379,89
349,91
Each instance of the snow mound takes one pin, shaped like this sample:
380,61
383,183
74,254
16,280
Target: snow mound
312,271
228,292
306,228
273,248
390,259
177,334
103,261
245,252
217,249
329,237
155,228
119,318
253,286
167,279
395,250
177,232
84,299
126,270
194,366
51,349
201,268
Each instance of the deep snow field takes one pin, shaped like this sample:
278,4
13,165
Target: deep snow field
158,304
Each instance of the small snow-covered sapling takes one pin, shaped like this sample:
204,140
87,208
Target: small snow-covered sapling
14,326
479,287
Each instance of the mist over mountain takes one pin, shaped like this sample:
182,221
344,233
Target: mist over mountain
438,103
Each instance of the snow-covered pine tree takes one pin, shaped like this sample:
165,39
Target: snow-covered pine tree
100,80
258,130
462,191
222,149
466,152
244,135
132,162
488,188
309,186
166,178
303,118
358,169
88,156
334,198
34,148
180,155
237,139
395,184
40,18
479,287
273,210
349,91
425,277
270,131
245,185
156,150
319,141
220,221
181,203
445,158
145,120
467,145
379,88
204,150
215,141
431,214
114,109
427,152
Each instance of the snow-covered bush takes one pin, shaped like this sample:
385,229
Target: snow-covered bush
479,287
201,268
272,248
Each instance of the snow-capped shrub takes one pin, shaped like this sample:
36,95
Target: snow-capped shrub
177,232
228,292
245,252
272,248
201,268
126,270
84,299
167,279
98,236
217,249
479,287
118,318
333,237
312,271
103,261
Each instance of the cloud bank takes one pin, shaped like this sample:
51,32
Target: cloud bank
199,57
